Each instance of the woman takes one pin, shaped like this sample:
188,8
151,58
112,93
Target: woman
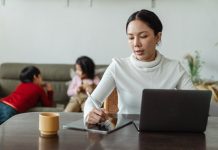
145,68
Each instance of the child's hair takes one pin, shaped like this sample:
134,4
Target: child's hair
87,65
27,74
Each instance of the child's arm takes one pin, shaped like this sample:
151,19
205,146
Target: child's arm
48,87
47,99
90,85
47,94
96,80
73,88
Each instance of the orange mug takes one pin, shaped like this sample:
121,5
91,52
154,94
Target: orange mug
48,124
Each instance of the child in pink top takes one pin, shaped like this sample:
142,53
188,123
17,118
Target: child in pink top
84,81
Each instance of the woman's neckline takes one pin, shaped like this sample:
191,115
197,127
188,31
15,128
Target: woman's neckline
146,64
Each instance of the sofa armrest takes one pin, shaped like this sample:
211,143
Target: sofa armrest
0,91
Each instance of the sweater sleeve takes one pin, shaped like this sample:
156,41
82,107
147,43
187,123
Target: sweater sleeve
73,86
185,80
103,89
96,80
47,98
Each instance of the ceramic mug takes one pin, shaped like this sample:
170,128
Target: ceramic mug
48,124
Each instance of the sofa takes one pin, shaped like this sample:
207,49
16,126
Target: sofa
59,75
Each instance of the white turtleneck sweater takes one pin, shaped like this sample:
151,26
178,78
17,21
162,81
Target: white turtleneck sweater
130,76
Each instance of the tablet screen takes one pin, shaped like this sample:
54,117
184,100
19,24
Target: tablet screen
113,123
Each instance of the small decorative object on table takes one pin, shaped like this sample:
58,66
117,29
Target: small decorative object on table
195,64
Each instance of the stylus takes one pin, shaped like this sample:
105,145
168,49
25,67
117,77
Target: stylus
93,101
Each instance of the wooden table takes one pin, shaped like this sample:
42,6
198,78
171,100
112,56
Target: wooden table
21,133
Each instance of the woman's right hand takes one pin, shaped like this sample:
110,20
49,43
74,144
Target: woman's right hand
96,116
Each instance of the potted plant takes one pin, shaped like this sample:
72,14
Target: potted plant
195,64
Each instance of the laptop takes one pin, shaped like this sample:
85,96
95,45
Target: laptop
174,110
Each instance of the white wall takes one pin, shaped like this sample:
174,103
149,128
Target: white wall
47,31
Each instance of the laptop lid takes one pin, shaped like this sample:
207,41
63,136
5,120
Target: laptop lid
174,110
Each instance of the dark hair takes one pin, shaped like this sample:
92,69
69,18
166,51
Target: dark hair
27,74
87,65
148,17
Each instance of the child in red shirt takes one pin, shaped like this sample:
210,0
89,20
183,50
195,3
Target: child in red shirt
28,93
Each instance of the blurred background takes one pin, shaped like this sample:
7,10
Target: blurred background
59,31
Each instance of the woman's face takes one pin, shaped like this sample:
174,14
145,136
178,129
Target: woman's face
142,40
79,71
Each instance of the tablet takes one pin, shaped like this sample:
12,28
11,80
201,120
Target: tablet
112,124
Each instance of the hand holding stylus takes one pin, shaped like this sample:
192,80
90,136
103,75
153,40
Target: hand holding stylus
97,114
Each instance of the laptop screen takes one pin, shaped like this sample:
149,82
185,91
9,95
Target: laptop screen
174,110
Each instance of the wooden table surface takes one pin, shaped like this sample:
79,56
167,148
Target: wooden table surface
21,133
